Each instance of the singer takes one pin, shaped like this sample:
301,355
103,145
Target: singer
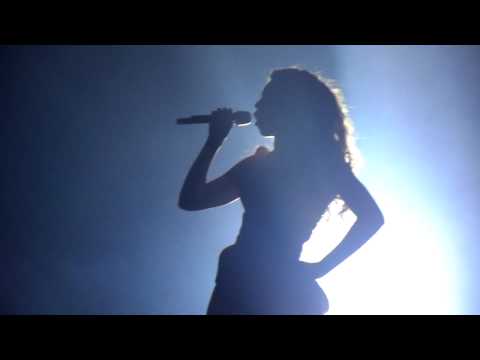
284,193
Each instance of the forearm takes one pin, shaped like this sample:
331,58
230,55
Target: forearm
197,175
358,235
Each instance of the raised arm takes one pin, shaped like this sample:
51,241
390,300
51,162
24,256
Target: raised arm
196,193
369,221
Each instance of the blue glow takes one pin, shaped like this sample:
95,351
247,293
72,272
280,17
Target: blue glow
94,164
411,106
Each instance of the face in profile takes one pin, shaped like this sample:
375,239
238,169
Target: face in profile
267,113
275,112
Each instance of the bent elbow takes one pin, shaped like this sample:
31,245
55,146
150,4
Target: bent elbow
184,207
372,219
187,206
186,203
379,220
376,219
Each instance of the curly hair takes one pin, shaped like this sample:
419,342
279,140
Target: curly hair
326,98
333,126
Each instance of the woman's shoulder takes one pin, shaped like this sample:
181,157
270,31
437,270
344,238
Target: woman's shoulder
258,153
249,162
261,151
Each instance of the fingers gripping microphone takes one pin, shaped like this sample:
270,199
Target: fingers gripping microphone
240,118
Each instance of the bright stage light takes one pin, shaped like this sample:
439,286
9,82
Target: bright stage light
403,269
411,114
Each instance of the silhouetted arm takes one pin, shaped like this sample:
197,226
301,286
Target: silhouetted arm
369,221
196,193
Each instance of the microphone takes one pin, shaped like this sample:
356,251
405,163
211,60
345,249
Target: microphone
240,118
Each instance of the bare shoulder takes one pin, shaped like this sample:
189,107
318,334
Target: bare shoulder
356,195
345,175
247,164
348,185
259,153
262,151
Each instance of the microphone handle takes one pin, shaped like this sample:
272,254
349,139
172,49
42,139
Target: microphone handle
197,119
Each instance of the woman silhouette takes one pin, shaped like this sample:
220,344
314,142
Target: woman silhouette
284,193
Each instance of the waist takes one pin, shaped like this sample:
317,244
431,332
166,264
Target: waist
268,247
237,267
270,237
250,257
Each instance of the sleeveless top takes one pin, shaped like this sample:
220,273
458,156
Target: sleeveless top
261,273
281,207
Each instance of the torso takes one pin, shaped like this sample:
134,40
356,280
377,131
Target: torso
261,273
282,207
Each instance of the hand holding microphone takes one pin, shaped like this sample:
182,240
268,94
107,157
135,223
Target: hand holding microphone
220,123
240,118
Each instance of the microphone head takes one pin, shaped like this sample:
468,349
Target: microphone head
242,118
